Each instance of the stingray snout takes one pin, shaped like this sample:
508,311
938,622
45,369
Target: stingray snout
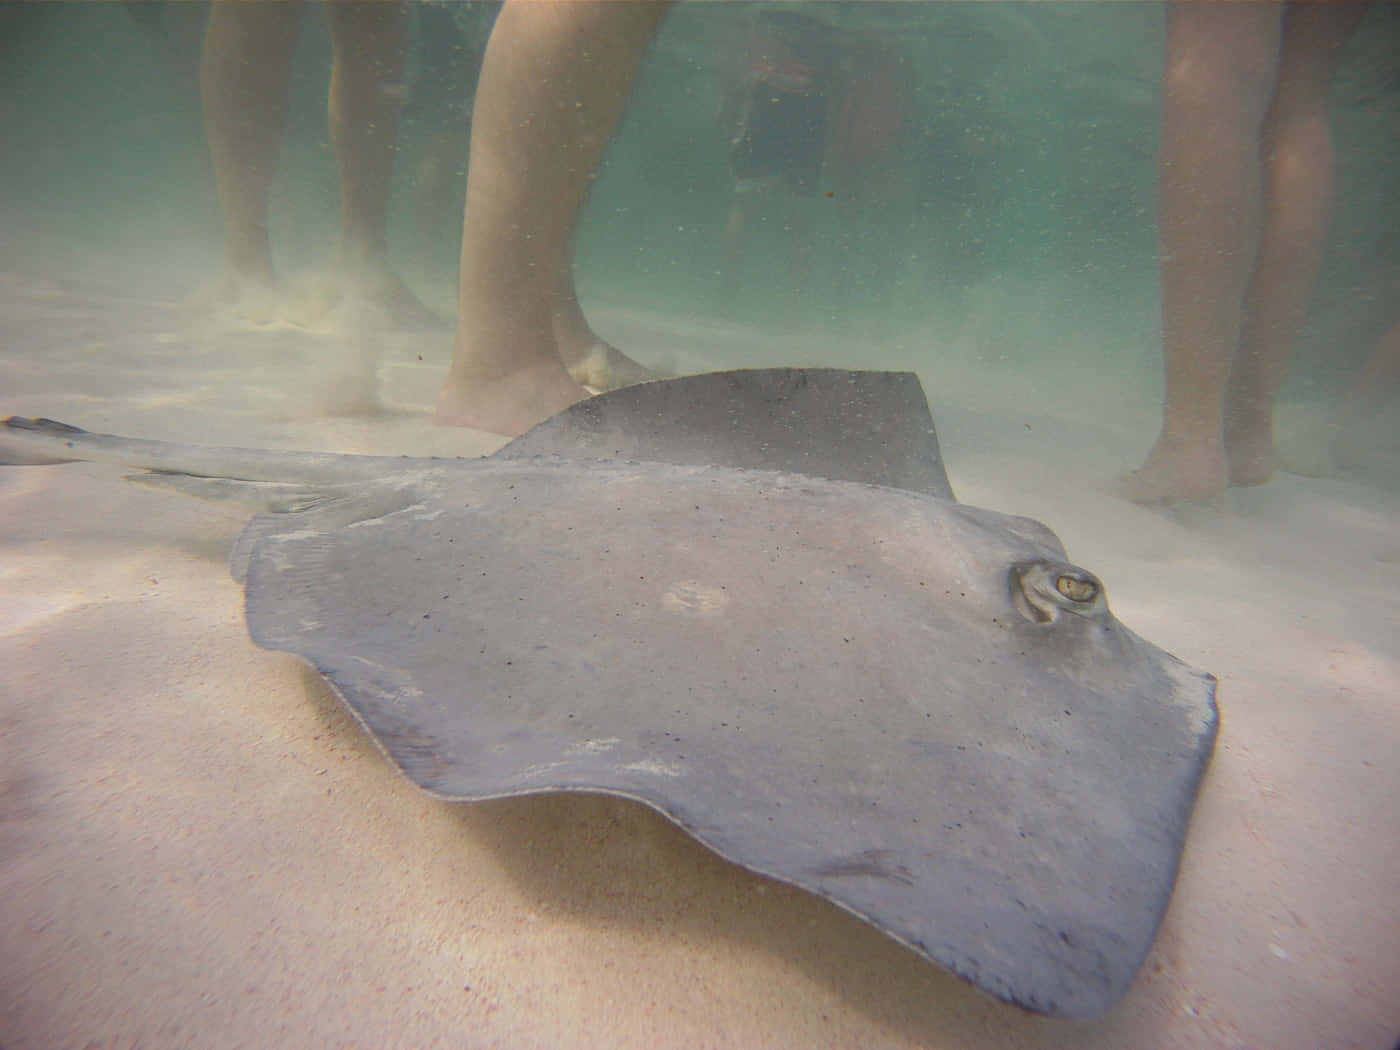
1043,590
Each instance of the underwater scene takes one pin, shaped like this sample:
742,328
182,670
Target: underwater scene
786,524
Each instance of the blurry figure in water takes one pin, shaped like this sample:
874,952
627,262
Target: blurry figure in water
245,81
811,100
1245,187
779,107
869,132
1375,385
449,43
174,30
554,83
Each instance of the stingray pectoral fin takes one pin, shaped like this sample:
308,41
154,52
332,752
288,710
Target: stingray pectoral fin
298,509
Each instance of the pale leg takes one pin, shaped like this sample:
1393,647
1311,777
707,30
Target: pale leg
1297,199
1221,62
590,361
1377,382
244,82
366,96
554,83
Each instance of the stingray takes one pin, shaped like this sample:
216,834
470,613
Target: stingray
749,601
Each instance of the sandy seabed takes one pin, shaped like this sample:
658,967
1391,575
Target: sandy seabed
198,847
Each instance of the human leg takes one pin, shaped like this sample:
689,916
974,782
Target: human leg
364,104
591,361
554,83
1375,383
244,74
1220,67
1297,195
364,113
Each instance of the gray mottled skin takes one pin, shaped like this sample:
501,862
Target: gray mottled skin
916,709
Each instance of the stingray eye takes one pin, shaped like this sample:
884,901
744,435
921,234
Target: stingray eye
1043,590
1077,588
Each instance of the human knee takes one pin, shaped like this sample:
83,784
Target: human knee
1222,59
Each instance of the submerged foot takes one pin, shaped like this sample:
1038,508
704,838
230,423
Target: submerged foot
602,367
243,297
1175,473
358,297
507,404
1250,455
385,290
1346,449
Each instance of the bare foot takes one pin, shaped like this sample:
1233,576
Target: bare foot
241,296
1250,454
1175,473
370,296
507,404
602,367
1346,444
384,288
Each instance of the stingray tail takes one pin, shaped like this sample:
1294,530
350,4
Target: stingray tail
273,496
33,442
38,442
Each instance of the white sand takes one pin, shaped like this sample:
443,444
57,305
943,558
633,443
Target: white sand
199,849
